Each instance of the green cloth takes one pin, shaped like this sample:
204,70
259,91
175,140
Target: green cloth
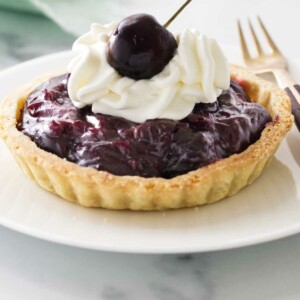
74,16
21,5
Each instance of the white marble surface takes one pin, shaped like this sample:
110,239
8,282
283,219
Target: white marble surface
35,269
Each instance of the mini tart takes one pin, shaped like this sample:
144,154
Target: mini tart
91,188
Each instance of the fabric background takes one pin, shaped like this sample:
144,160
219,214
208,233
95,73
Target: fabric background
75,16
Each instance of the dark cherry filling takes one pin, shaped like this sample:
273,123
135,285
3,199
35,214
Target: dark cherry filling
156,148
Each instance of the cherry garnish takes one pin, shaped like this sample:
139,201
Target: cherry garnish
140,47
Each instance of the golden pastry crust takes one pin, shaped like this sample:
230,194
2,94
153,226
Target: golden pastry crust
91,188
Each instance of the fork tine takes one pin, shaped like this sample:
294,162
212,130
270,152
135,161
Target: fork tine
256,41
243,42
268,37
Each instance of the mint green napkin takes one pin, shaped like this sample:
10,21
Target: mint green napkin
20,5
75,16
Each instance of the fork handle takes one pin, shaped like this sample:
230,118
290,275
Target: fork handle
289,85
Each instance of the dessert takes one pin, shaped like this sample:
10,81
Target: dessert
155,148
143,131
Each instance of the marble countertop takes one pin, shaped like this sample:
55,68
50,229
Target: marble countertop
35,269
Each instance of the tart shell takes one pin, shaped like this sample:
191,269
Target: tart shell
92,188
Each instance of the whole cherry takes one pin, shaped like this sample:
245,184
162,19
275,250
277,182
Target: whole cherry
140,47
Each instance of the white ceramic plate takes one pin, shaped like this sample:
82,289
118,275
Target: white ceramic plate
268,209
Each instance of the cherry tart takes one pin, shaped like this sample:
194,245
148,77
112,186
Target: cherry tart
102,161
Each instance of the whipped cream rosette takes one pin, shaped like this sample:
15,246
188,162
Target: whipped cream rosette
198,72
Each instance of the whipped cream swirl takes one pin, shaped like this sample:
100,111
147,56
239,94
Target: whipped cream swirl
197,73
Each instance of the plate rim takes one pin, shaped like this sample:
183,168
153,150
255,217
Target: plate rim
235,244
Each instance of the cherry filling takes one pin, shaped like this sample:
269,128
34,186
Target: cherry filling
156,148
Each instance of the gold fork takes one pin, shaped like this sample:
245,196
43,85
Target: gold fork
274,63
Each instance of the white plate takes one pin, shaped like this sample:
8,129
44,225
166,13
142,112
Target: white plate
268,209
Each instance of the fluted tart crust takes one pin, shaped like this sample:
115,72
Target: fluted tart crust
92,188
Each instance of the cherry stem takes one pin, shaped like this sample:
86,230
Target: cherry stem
177,13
